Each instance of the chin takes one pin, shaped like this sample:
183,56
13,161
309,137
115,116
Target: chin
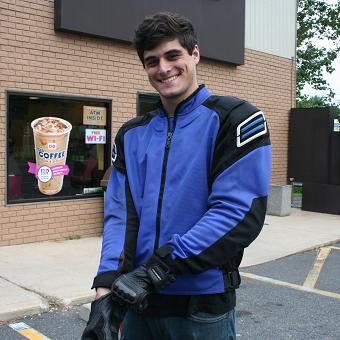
171,94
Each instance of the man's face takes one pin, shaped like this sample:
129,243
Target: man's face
171,70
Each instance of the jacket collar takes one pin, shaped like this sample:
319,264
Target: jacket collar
190,103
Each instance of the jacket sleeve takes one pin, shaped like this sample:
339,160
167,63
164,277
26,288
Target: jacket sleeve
240,178
120,222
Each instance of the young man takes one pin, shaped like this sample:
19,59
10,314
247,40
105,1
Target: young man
187,194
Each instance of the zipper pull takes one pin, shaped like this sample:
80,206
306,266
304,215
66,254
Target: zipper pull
168,140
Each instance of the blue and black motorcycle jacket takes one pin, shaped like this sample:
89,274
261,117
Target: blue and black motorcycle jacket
196,183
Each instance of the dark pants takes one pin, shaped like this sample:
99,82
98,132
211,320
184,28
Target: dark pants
198,326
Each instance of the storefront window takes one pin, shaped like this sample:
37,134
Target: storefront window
57,147
146,102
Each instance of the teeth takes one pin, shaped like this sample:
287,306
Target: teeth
168,80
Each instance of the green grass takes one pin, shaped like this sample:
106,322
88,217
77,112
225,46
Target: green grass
73,237
297,191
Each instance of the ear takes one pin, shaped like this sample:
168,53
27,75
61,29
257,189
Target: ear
196,54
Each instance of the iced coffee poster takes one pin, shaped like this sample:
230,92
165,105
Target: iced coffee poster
51,137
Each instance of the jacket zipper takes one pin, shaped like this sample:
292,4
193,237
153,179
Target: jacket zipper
161,190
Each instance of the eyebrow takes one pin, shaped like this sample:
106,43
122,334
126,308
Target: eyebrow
152,57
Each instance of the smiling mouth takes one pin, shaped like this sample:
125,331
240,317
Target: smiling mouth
170,79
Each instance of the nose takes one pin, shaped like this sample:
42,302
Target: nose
164,66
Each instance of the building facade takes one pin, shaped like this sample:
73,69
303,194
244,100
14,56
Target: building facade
44,71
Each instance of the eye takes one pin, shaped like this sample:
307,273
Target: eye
173,56
151,62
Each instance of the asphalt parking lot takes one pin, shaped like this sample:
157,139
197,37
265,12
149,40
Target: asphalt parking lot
296,297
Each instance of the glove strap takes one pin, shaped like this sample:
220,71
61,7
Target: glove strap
158,270
160,277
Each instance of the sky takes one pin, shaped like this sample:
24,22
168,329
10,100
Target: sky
334,78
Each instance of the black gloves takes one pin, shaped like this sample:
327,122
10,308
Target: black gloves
134,287
105,318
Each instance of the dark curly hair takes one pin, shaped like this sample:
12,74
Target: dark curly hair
164,26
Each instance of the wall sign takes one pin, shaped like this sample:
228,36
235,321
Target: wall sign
94,115
95,136
219,24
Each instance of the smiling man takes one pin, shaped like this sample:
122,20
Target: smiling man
186,195
171,70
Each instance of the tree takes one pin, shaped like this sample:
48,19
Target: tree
317,101
314,101
316,20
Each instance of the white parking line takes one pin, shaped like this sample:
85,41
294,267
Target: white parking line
312,277
27,331
314,273
290,285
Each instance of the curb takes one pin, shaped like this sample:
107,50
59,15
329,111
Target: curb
81,300
23,312
84,312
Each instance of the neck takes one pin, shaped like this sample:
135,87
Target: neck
170,107
170,104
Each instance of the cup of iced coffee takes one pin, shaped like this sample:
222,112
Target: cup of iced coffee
51,136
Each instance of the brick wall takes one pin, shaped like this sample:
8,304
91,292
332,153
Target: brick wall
35,58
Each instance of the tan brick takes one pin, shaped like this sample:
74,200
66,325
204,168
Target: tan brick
36,58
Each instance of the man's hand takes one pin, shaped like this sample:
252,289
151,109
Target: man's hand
133,288
101,291
104,320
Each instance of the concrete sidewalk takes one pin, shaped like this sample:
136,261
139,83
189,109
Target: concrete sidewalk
37,276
